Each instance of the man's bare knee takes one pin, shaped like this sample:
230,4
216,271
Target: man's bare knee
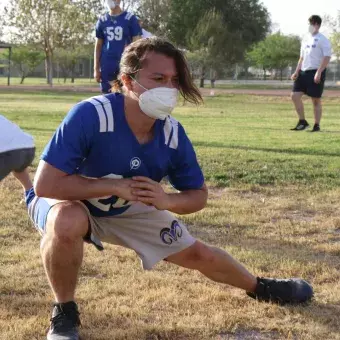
295,96
67,221
195,257
316,101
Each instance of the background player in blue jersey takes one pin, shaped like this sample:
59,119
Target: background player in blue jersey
114,31
102,171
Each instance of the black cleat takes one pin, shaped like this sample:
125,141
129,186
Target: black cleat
290,291
316,128
64,322
301,125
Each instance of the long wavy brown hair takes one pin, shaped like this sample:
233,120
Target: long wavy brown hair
134,56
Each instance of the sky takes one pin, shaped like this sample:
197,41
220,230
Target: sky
291,16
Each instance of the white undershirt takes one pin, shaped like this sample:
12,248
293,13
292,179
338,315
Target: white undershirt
313,49
12,137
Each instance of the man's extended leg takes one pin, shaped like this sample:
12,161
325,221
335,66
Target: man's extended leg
219,266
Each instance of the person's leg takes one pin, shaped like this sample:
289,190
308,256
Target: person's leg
18,161
63,225
62,248
216,264
317,110
219,266
297,100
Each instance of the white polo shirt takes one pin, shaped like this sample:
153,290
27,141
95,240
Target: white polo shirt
313,49
12,137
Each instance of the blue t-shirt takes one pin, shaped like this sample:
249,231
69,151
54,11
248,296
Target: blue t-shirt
95,140
117,32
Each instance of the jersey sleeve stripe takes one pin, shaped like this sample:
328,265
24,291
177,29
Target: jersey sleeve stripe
167,130
108,110
101,114
128,16
174,137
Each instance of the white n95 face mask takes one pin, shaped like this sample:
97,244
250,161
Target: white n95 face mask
311,29
159,102
110,4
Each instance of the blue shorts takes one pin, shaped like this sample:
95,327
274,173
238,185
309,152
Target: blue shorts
109,73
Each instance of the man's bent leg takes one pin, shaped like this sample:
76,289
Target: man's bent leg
216,264
62,248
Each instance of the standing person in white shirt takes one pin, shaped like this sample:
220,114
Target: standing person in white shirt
145,33
310,74
16,152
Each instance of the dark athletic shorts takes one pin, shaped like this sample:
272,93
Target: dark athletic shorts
305,83
15,160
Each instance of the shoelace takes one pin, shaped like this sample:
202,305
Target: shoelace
62,319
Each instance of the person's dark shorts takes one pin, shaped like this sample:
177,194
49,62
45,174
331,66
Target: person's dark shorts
305,83
15,160
109,73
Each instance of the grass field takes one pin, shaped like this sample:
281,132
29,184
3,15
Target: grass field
273,204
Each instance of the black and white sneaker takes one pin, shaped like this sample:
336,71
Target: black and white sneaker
64,322
291,291
316,128
301,125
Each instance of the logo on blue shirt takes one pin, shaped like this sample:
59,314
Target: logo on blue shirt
135,163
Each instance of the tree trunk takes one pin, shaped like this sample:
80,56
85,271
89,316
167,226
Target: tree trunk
281,72
22,79
264,74
202,77
49,67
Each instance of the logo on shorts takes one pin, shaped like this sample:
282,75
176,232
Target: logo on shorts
169,235
135,163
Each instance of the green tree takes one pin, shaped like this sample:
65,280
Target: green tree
26,59
334,24
247,20
155,15
277,52
52,24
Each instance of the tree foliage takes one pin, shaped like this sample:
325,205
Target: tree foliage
52,24
277,51
26,59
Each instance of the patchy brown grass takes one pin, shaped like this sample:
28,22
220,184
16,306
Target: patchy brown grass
279,232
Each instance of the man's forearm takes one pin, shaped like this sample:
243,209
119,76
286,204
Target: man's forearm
299,65
75,187
324,64
97,54
188,202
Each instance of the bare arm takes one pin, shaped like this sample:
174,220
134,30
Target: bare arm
185,202
97,53
324,64
299,65
51,182
189,201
